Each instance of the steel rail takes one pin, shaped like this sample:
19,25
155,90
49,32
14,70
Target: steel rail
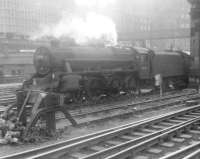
189,152
123,106
163,138
105,108
81,139
73,148
40,150
194,155
129,112
117,148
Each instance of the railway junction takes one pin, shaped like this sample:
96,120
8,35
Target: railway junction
96,101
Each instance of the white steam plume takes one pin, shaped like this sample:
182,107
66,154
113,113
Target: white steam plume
94,3
93,27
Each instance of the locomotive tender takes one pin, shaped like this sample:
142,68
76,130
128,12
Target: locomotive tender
89,72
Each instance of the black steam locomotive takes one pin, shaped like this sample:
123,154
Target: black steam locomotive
87,72
78,74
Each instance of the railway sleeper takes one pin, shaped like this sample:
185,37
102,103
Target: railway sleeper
178,137
167,144
154,150
97,148
183,118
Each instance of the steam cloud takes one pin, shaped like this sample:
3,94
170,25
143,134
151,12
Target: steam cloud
83,30
94,3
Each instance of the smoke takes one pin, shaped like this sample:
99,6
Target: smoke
94,3
90,28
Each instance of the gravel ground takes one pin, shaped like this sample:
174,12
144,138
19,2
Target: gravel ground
71,132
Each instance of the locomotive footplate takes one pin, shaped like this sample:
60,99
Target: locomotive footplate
43,105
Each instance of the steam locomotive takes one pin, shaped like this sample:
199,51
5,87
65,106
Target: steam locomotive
88,72
65,78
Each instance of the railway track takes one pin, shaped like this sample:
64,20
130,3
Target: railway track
194,152
174,144
108,107
6,100
107,143
125,109
181,99
89,115
98,114
7,97
7,94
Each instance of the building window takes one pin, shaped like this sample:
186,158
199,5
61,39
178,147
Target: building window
13,72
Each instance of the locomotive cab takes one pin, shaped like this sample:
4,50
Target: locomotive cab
145,57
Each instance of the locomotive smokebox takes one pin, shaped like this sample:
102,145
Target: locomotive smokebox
42,61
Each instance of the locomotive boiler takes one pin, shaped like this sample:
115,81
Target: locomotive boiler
86,71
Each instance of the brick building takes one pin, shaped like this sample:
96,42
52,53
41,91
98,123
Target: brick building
157,24
24,17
